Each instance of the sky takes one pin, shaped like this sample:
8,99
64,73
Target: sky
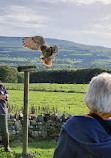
81,21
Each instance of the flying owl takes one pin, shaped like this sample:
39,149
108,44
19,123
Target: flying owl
38,43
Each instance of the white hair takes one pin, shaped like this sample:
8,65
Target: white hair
98,96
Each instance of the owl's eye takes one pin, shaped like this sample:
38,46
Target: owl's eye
43,47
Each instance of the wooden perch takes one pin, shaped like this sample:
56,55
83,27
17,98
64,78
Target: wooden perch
26,68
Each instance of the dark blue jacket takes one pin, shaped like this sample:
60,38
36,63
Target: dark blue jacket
83,137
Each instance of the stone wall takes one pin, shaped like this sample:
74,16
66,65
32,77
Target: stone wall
41,127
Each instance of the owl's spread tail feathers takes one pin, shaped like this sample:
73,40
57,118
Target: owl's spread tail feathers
46,62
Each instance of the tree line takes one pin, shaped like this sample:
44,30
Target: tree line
11,75
65,76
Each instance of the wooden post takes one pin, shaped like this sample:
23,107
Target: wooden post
26,70
25,121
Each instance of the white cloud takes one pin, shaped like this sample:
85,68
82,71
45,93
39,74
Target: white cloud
21,20
76,1
75,20
24,14
87,1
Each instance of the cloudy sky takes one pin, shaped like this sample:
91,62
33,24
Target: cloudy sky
80,21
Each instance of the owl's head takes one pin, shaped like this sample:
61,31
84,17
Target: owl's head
43,47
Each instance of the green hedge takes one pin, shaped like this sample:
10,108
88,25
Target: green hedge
11,75
65,76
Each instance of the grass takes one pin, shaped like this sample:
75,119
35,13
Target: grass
40,149
49,98
60,98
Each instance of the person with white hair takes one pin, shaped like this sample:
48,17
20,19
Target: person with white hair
89,136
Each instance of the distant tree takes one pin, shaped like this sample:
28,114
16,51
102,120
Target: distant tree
20,77
8,74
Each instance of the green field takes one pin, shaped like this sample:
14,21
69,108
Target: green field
49,98
46,98
40,149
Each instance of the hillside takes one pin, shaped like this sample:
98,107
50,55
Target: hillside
71,55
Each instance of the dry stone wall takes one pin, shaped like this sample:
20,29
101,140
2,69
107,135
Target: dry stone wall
41,127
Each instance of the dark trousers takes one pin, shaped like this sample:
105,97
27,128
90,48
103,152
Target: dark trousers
3,124
4,132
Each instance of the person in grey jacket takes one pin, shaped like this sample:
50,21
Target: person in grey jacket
4,96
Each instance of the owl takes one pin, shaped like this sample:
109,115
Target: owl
38,43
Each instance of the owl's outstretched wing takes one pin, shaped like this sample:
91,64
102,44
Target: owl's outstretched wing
55,51
34,43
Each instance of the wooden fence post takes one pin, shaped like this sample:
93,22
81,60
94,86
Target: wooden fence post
26,70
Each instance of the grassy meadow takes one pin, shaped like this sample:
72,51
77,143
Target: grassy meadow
44,98
40,149
49,98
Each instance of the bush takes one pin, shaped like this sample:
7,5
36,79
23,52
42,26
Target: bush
8,74
20,77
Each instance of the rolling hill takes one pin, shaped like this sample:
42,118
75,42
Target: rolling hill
71,55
